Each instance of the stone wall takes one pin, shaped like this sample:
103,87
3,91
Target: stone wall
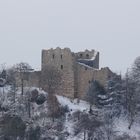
89,56
30,79
87,74
103,75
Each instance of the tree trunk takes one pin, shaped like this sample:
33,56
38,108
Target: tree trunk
84,135
29,109
22,90
90,109
131,123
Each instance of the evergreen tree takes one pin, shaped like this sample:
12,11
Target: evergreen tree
115,94
94,94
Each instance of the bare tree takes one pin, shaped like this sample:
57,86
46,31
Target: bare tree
109,123
54,109
23,69
51,79
132,96
16,73
88,125
130,100
11,80
132,93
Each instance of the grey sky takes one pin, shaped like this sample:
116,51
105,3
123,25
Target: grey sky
109,26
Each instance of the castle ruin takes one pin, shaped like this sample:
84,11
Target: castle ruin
78,70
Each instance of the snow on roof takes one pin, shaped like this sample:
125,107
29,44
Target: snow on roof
86,59
85,65
82,64
95,54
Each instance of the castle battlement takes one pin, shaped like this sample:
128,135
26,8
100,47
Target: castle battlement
89,58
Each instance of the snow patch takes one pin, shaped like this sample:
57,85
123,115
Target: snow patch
121,126
73,104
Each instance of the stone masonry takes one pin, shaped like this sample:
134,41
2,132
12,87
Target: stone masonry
78,70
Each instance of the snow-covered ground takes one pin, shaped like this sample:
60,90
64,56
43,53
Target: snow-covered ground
121,124
74,105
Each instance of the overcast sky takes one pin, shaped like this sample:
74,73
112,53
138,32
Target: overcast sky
109,26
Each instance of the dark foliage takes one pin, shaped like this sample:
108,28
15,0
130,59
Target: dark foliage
87,124
34,95
40,99
12,125
34,133
95,89
5,109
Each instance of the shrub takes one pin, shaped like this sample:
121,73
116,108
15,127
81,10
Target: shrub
34,95
34,133
12,125
40,99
